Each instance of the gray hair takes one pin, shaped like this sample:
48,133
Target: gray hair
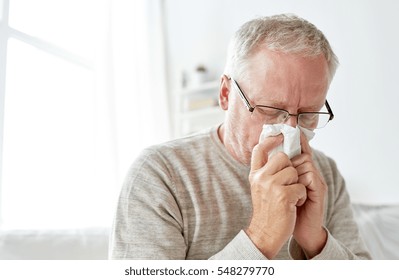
286,33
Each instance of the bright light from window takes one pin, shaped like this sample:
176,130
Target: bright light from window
49,174
70,24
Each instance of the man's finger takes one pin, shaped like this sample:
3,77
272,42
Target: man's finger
298,194
260,153
305,144
278,162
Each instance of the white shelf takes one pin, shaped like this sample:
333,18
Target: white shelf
202,101
209,111
199,89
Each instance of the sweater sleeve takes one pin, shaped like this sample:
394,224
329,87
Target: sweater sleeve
343,238
148,223
240,248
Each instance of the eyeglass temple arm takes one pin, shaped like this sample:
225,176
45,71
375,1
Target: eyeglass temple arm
243,97
329,110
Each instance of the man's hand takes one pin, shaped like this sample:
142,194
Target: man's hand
309,231
276,194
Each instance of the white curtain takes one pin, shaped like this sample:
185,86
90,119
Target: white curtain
65,177
81,141
131,86
138,65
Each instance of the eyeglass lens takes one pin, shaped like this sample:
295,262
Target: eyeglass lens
276,116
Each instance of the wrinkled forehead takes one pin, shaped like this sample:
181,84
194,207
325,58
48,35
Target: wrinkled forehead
265,64
282,77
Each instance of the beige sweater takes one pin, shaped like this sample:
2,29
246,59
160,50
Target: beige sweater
189,199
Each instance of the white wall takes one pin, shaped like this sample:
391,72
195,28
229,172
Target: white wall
364,94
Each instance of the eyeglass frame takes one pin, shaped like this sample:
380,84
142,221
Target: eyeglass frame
252,108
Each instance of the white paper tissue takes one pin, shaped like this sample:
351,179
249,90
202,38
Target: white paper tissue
292,138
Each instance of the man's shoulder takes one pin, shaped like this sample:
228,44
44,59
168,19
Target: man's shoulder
323,161
190,145
165,159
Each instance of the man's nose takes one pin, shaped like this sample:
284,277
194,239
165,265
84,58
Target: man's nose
292,120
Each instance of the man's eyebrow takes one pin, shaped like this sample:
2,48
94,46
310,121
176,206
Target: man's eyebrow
270,102
282,105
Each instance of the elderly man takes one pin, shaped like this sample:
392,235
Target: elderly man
218,194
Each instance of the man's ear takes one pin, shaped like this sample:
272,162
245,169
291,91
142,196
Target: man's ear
224,92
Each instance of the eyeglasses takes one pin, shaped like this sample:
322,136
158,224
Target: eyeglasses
272,115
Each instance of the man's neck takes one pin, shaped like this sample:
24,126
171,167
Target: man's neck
245,160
